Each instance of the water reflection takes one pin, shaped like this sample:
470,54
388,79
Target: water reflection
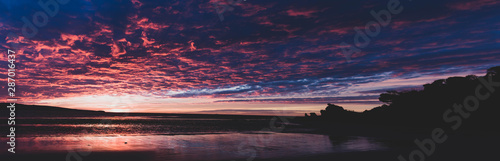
354,143
202,147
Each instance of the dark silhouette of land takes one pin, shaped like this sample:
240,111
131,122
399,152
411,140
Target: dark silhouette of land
22,110
451,102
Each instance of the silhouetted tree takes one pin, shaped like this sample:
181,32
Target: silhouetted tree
388,97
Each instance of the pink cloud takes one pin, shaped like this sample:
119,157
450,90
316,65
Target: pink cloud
473,5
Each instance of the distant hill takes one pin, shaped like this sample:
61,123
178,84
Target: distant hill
51,111
46,111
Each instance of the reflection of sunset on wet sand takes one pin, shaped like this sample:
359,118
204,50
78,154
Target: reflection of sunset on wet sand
196,147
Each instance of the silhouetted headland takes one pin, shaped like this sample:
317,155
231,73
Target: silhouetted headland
23,110
447,102
48,111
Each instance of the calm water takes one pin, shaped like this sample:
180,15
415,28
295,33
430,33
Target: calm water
177,138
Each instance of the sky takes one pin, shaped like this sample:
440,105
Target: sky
282,57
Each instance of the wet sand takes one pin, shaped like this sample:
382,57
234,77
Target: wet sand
457,148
